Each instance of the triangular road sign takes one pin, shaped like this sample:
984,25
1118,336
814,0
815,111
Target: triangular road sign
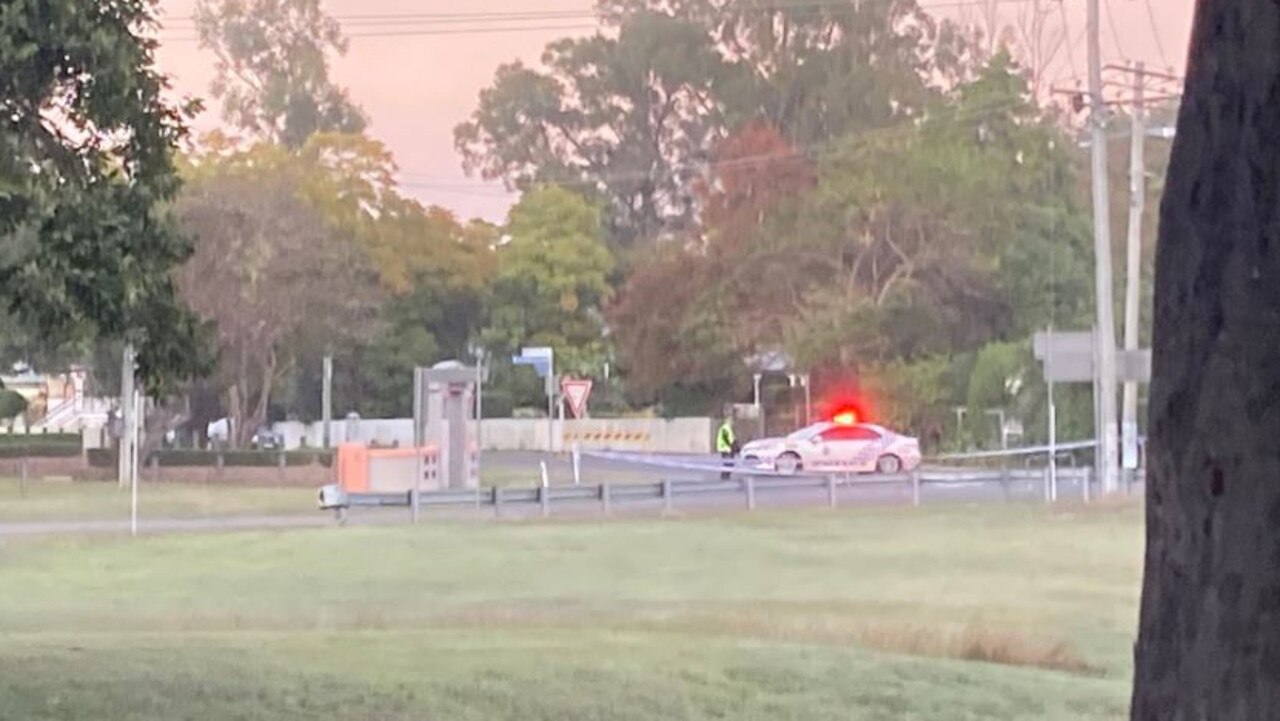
576,391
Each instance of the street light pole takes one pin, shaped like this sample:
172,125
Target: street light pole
1133,271
1105,349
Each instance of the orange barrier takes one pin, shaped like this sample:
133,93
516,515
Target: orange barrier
603,436
355,461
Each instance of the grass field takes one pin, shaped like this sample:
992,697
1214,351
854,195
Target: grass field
67,500
62,500
876,614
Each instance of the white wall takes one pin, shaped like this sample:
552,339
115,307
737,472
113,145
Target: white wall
650,435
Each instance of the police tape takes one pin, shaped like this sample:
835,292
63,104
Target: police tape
706,464
711,464
1015,452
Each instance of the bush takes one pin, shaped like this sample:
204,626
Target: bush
22,439
40,449
185,458
12,404
102,457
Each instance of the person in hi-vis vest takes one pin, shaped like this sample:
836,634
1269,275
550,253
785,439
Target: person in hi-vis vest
726,444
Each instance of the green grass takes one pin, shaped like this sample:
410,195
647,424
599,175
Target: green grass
66,500
816,615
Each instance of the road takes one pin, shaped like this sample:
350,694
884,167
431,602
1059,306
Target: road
592,471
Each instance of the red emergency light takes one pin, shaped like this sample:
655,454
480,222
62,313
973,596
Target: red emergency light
845,418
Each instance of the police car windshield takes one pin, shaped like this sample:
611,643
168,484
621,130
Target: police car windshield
807,433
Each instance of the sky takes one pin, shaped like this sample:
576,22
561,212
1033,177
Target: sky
417,85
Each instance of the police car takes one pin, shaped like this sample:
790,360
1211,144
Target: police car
841,445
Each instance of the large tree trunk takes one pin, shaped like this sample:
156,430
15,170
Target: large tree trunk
1209,639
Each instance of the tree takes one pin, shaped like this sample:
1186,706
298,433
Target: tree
721,308
635,117
628,117
273,276
552,280
273,68
86,162
1208,642
941,236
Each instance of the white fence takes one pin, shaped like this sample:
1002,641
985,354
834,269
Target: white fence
649,435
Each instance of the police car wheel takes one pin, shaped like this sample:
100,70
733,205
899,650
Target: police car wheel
889,465
789,464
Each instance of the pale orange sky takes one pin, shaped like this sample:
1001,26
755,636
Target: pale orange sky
416,88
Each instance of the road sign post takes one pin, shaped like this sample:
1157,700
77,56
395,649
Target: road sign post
576,391
543,361
1071,357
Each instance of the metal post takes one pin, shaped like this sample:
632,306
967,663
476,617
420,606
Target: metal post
127,369
551,406
1133,271
808,401
1048,497
756,378
1053,441
497,502
832,499
751,493
136,402
479,415
544,497
326,400
605,501
22,477
666,496
1106,339
915,487
419,440
577,464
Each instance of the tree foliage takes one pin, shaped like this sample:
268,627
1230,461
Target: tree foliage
86,162
271,272
634,117
273,68
552,280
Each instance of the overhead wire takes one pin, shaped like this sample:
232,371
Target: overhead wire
427,24
1112,26
1155,33
678,173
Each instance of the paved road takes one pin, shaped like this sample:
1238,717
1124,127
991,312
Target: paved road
523,470
853,494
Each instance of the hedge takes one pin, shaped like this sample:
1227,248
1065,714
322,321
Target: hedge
23,439
187,458
39,449
240,458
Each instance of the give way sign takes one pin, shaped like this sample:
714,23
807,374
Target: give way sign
576,391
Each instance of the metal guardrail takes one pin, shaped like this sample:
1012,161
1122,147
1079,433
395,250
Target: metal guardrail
749,488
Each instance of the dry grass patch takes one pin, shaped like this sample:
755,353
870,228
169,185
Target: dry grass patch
973,642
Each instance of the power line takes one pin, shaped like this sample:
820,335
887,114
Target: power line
1111,25
1155,33
689,169
1071,44
437,31
411,24
534,15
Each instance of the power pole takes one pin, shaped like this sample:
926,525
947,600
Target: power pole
326,400
128,417
1105,333
1133,271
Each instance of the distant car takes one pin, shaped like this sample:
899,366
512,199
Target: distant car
266,440
832,447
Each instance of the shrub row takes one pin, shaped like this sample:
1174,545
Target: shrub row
186,458
40,449
25,439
